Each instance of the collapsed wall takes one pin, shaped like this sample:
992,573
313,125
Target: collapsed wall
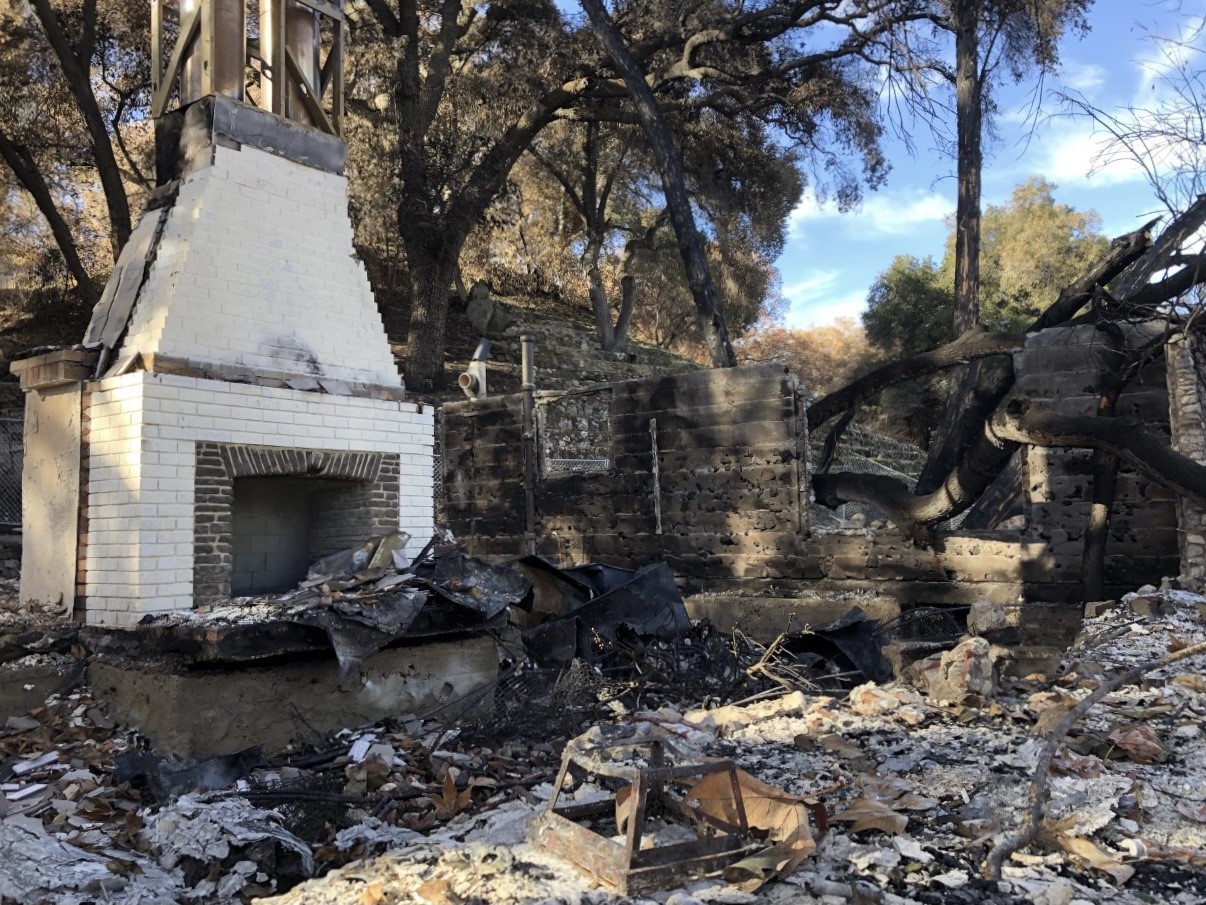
708,471
703,469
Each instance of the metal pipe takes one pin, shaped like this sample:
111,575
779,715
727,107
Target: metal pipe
527,369
301,39
223,33
527,366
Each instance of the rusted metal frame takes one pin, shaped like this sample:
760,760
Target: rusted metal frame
636,820
681,854
167,80
645,870
658,774
628,868
310,99
702,820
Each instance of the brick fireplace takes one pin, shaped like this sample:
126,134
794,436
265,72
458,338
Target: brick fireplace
235,411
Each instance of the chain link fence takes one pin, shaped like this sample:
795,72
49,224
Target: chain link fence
12,450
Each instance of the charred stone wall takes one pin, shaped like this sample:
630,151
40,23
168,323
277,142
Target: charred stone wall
703,470
1067,369
1186,362
707,471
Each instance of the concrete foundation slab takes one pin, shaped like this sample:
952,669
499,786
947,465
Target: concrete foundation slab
206,712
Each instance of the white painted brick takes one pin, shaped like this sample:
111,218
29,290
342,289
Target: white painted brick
149,570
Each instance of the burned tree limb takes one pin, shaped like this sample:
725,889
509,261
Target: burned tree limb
1123,252
981,463
981,450
1040,784
1105,464
979,343
1127,438
967,416
971,346
1163,252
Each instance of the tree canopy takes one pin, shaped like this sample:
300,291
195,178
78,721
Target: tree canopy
1033,246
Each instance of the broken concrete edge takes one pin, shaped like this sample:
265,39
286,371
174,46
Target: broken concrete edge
211,711
60,366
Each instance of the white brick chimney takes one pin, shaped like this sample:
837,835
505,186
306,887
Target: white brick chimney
244,415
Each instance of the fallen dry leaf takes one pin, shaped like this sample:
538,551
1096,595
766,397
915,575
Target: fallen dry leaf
449,802
1048,718
870,814
1096,857
438,891
1192,681
1155,851
1086,767
374,894
783,817
894,790
752,873
1139,743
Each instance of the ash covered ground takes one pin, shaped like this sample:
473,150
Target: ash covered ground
915,788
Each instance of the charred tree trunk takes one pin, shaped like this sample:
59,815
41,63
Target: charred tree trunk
669,163
21,162
433,268
1105,466
77,72
1105,482
969,113
953,430
970,347
1129,439
988,451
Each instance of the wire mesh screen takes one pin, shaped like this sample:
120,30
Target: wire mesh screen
12,452
437,469
862,451
528,702
575,433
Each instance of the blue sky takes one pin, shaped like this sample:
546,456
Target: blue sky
831,258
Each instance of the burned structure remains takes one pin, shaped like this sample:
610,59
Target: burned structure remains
235,410
710,472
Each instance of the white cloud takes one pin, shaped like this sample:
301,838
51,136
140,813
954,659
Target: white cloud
810,285
1073,153
882,214
1083,77
816,312
1164,54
